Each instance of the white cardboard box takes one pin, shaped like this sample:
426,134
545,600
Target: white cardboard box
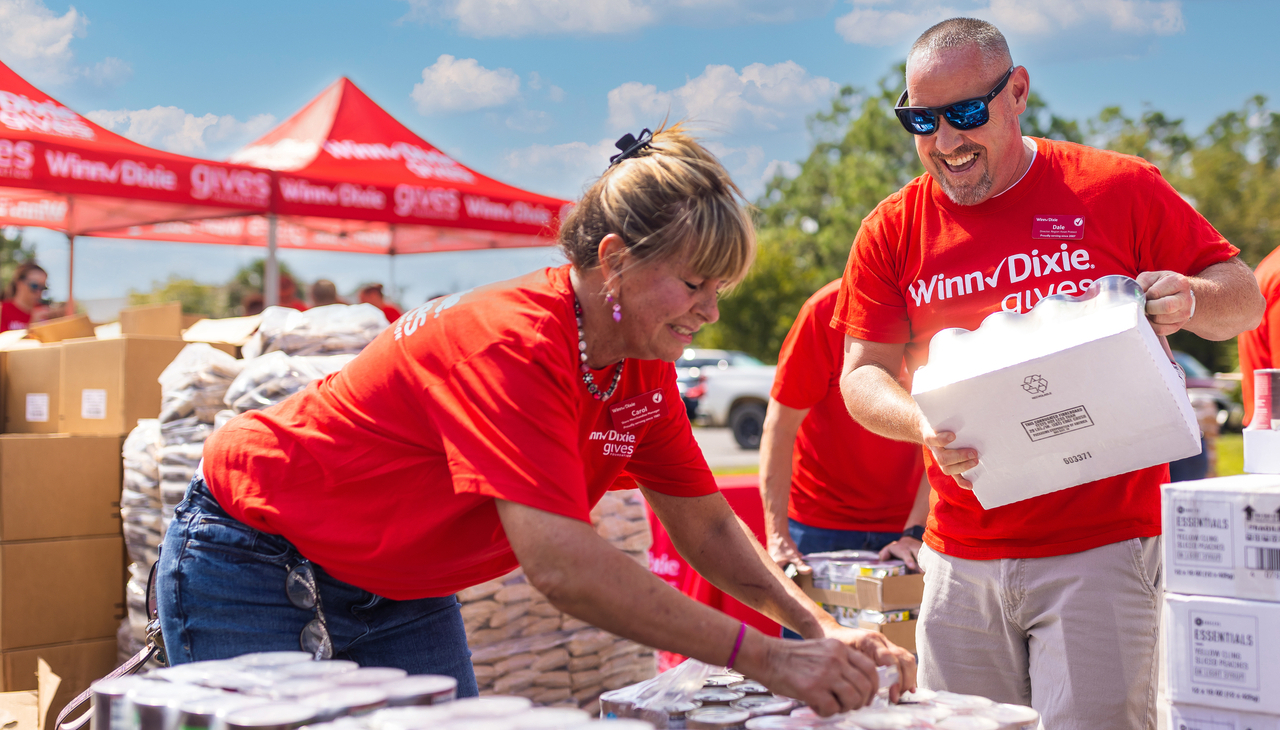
1190,717
1076,390
1222,537
1223,652
1261,451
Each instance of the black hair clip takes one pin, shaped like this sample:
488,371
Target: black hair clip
630,146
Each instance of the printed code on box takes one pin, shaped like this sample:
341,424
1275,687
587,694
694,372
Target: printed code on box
1056,424
1260,558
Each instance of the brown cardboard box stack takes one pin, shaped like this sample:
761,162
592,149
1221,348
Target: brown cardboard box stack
891,598
68,404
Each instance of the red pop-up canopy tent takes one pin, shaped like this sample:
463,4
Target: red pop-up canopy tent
61,171
350,177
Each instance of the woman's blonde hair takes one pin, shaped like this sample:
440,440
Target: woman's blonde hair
672,199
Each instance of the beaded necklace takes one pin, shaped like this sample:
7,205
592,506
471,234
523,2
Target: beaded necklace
587,380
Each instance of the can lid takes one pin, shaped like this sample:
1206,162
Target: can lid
119,686
194,672
750,687
968,722
409,718
370,675
318,669
344,698
548,718
220,704
1011,714
493,706
297,687
721,680
777,722
887,719
165,694
958,701
420,684
273,658
721,695
274,715
763,705
719,715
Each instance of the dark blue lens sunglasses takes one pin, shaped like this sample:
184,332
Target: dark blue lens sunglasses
963,115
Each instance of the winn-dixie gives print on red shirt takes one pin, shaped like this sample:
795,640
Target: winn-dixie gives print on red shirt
921,264
843,477
385,473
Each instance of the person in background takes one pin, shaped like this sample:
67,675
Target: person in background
22,297
372,294
1052,601
289,294
1260,347
828,483
324,292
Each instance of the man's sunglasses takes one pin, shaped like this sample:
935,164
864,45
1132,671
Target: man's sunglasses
963,115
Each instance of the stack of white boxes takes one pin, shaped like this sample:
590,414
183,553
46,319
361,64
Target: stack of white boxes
1221,629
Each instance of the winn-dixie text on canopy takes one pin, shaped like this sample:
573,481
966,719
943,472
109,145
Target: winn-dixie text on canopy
1036,263
426,164
19,113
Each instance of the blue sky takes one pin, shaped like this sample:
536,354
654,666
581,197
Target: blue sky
534,91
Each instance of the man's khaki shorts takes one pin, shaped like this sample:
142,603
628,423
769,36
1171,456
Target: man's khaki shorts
1073,636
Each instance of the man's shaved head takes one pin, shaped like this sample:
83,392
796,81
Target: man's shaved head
961,33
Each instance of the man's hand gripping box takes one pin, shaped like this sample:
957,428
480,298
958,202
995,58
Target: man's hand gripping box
1076,390
1222,537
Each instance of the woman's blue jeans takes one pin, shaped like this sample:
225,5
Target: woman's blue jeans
221,593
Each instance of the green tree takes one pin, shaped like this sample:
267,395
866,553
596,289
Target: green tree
1038,121
196,298
807,223
249,278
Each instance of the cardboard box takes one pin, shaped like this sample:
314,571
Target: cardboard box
1222,537
59,591
62,328
32,388
154,320
79,664
234,331
58,485
1261,451
876,594
1190,717
107,385
1223,652
1076,390
902,633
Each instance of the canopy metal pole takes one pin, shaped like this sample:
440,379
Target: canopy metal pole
271,271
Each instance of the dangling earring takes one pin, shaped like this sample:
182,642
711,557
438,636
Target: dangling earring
617,308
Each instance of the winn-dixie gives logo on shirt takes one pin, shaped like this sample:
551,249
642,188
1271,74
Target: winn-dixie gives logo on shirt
410,321
616,443
426,164
1009,271
18,112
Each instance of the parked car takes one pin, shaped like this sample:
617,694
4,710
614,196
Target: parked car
1201,384
726,388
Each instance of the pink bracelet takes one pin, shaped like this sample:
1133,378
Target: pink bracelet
742,632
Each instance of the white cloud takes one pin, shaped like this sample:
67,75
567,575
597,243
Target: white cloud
556,94
461,85
530,120
37,44
175,130
784,168
513,18
564,169
723,100
1034,21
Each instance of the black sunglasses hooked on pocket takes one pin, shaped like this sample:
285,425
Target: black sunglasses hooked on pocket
963,115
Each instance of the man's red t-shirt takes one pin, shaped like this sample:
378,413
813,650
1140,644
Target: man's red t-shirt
385,473
843,477
1260,348
13,318
921,263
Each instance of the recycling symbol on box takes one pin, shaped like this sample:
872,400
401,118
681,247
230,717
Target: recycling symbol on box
1035,384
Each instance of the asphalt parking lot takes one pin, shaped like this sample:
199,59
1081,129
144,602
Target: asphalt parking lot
721,450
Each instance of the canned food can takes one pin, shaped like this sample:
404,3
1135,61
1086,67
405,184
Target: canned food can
154,706
722,680
1013,717
318,669
671,716
292,689
259,659
487,707
778,722
717,718
369,676
549,718
207,713
108,706
717,696
1266,400
421,689
417,717
194,672
345,702
884,719
750,687
968,722
759,705
273,716
613,704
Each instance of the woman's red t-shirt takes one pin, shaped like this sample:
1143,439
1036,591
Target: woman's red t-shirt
385,473
13,318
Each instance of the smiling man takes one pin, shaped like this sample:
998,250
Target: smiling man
1051,602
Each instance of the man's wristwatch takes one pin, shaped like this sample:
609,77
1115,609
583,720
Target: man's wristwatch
916,532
